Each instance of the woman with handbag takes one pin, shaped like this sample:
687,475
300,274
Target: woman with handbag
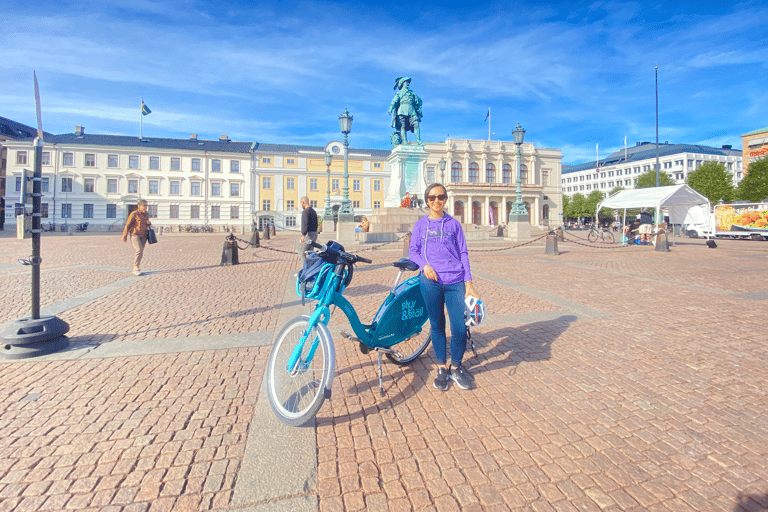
138,226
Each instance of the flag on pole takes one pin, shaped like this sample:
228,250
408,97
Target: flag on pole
145,109
487,115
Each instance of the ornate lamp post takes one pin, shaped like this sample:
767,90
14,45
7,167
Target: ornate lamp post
442,170
518,211
345,211
328,213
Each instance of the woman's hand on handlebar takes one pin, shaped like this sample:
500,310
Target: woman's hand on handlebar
430,273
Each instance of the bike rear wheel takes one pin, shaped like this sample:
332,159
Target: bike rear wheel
296,394
408,350
592,236
608,237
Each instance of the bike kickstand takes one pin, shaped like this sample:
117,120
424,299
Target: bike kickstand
471,342
381,381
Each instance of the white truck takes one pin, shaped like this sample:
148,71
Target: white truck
735,220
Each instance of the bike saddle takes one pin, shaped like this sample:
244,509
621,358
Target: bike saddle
406,264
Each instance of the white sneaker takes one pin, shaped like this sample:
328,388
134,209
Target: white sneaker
137,272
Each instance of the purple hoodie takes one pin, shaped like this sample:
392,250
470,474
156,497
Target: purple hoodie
441,244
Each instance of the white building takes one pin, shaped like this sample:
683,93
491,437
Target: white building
622,168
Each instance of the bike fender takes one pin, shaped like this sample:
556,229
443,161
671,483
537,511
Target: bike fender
331,358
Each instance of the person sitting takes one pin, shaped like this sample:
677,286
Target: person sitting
406,201
631,232
364,225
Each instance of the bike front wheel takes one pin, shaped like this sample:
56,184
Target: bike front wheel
408,350
592,236
608,237
297,393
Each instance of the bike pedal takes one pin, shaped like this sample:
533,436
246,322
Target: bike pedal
364,348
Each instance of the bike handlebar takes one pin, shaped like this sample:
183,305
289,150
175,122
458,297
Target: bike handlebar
351,258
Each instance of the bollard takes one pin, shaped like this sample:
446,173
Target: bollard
229,255
274,231
560,234
662,244
551,248
255,239
406,245
265,236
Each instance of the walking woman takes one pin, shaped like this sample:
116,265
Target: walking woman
136,227
439,248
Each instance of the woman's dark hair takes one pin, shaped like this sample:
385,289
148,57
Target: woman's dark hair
430,187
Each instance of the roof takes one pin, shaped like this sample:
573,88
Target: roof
675,195
755,132
14,130
648,150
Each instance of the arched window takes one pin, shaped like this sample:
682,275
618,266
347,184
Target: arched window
458,211
474,173
456,172
477,213
490,173
545,212
523,174
494,220
506,173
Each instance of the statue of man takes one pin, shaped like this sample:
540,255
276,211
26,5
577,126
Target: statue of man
406,110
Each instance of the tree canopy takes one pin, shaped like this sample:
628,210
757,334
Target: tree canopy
754,186
577,207
648,180
712,181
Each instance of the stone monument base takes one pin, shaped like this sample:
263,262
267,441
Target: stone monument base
407,170
518,227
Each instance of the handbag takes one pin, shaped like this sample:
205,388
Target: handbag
151,237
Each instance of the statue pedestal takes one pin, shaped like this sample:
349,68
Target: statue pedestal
345,233
518,227
408,173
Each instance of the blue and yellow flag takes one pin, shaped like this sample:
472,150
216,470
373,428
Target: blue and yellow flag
145,109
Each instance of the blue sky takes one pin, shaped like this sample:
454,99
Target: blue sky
574,75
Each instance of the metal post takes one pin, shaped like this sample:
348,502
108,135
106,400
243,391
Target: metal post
36,227
345,212
657,166
518,209
328,212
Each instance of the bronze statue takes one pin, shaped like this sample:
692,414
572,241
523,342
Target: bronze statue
406,112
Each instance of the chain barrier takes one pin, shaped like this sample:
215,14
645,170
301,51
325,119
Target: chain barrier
597,246
510,247
248,244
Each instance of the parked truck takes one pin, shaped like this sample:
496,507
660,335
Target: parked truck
735,220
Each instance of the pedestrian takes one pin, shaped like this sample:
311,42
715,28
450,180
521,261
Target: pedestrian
308,227
439,247
406,201
136,226
646,226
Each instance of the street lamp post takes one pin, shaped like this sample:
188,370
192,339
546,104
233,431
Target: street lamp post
518,211
328,213
442,170
345,211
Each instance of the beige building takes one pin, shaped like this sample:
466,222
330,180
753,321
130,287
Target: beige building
755,146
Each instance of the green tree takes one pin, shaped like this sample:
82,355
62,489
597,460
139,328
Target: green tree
713,182
754,186
648,180
577,207
592,199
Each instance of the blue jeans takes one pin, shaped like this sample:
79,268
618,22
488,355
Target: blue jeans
439,297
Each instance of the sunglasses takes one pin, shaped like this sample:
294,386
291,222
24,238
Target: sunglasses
441,197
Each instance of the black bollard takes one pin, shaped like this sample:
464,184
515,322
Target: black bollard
560,234
229,255
274,231
662,244
265,235
255,238
406,245
551,248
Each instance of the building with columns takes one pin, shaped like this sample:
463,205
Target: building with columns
480,177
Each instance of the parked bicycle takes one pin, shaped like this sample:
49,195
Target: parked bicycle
598,234
301,365
82,227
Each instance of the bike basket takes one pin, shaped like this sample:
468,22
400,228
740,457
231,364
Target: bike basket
311,278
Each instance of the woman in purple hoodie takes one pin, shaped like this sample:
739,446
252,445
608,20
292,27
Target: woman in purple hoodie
439,248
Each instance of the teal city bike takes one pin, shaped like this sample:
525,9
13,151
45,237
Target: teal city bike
302,362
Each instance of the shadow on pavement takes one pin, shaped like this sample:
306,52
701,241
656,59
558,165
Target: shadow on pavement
750,502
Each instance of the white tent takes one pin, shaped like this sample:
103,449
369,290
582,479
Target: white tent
680,201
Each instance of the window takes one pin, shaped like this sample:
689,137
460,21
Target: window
618,172
266,182
290,161
312,183
610,173
21,158
68,159
290,221
313,203
265,205
524,174
356,185
456,171
627,182
88,184
175,163
152,211
216,212
545,177
290,183
90,160
490,173
175,187
266,160
234,189
133,162
195,164
376,185
46,158
194,211
667,165
195,188
44,185
133,186
377,165
506,174
646,168
376,204
154,187
174,212
112,160
335,184
18,184
216,165
355,204
111,211
88,211
66,210
234,166
154,163
66,184
637,170
234,212
698,163
215,189
690,163
289,205
474,173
